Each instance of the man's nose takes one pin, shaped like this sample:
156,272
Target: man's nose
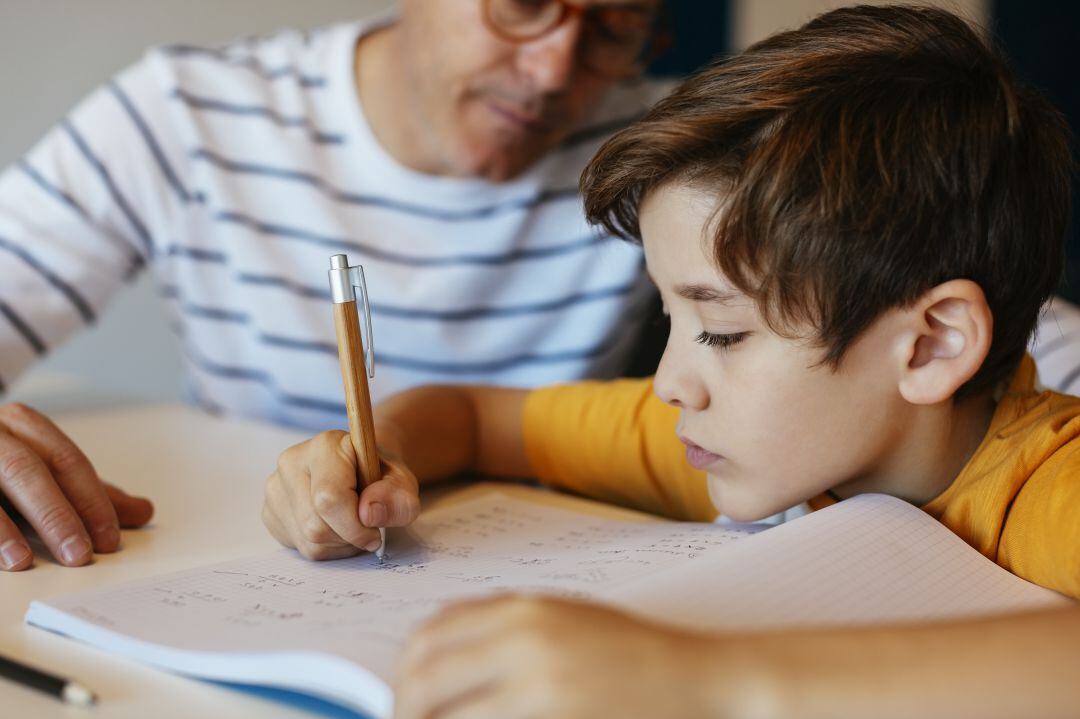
678,384
552,60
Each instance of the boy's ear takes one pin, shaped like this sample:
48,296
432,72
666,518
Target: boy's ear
950,329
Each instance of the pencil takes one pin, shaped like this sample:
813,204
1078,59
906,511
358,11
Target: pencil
355,370
66,690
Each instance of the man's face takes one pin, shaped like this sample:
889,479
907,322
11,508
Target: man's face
491,107
769,424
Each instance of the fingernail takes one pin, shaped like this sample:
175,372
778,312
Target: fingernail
107,537
75,550
13,553
377,514
373,545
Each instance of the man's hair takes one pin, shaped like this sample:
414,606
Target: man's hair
857,162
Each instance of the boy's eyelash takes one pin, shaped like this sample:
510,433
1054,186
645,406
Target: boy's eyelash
722,342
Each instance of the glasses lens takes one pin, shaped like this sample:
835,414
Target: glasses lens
617,38
524,19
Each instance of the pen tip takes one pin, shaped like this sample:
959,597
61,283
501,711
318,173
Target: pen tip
78,695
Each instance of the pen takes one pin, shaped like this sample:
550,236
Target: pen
64,689
357,363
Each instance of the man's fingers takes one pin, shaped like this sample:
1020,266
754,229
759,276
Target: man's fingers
15,553
131,511
70,469
31,489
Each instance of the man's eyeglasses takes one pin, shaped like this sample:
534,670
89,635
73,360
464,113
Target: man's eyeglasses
616,38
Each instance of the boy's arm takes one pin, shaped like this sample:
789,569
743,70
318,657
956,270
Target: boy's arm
444,431
1011,666
513,657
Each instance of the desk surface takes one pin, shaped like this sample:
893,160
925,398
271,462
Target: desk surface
205,476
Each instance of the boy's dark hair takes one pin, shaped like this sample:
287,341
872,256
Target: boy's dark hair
861,160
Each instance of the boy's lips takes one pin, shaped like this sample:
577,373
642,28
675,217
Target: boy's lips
698,457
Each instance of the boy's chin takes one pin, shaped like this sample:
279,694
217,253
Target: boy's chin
738,505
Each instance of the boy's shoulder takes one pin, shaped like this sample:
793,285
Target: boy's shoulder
1017,500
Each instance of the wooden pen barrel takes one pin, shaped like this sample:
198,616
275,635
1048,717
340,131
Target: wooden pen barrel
357,394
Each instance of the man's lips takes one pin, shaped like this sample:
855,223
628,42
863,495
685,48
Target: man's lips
525,119
698,457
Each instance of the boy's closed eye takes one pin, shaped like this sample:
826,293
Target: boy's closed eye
721,341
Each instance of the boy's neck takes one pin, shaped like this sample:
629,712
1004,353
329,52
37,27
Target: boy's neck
931,453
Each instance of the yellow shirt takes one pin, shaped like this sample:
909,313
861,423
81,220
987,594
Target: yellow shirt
1017,500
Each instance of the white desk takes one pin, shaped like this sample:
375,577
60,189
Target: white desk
205,476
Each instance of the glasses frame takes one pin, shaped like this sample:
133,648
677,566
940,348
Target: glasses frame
657,43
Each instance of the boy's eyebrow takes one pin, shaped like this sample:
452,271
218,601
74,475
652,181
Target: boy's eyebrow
704,293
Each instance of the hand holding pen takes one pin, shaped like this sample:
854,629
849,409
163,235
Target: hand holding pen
333,495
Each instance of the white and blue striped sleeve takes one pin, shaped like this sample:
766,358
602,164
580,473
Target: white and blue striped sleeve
1055,346
79,214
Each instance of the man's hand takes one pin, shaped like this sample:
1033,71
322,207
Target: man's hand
514,657
47,480
312,502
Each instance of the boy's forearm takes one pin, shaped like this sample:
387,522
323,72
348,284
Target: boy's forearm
443,431
1021,665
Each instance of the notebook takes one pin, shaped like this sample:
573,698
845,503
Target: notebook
335,630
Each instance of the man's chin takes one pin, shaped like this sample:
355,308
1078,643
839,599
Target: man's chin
497,165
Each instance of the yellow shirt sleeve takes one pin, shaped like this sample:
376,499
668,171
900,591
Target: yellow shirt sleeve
1040,540
614,442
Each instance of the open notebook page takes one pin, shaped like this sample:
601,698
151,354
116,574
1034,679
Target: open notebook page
869,559
280,620
336,629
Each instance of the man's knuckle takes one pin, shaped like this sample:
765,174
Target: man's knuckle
19,466
18,411
68,460
97,506
55,520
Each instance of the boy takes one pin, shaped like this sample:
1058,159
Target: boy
853,226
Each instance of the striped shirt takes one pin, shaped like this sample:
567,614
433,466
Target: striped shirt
1055,347
234,174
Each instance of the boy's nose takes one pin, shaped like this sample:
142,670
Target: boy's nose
677,384
551,61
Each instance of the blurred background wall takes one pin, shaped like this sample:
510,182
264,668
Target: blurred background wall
55,51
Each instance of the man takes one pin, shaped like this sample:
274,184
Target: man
441,148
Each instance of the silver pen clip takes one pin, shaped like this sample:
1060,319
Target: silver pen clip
344,281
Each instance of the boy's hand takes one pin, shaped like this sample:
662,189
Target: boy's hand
510,657
313,504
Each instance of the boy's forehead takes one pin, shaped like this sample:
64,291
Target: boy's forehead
675,218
